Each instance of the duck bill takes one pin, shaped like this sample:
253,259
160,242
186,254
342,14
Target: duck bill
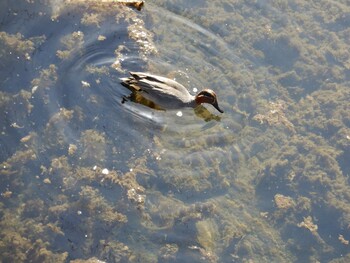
216,106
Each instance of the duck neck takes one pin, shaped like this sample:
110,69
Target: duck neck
198,100
194,102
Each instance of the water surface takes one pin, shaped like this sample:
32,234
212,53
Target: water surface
85,176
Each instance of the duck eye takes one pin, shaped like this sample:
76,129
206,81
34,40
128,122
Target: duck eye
207,98
207,94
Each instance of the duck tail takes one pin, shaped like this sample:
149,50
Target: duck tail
130,83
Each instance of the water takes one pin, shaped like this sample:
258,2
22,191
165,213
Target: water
85,176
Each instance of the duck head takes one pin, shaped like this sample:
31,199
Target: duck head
208,96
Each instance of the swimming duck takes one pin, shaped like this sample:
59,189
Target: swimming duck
167,93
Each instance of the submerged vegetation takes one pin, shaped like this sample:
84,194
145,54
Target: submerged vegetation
267,182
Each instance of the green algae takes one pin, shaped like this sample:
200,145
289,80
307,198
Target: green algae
91,201
17,45
72,43
91,19
168,252
207,234
21,239
284,170
115,251
305,154
93,145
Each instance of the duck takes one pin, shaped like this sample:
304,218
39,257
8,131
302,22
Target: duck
167,93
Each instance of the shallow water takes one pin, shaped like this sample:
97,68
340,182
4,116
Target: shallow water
85,176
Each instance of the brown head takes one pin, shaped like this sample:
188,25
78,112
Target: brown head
208,96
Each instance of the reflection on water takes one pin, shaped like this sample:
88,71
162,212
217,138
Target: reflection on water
87,177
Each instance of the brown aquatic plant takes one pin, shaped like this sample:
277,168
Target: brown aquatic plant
284,202
308,224
275,115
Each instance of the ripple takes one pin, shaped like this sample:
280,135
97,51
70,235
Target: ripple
196,58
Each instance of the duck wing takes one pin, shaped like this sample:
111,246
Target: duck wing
158,83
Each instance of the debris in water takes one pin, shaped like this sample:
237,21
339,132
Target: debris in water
307,223
343,240
284,202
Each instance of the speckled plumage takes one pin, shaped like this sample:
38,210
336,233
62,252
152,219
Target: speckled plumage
167,93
